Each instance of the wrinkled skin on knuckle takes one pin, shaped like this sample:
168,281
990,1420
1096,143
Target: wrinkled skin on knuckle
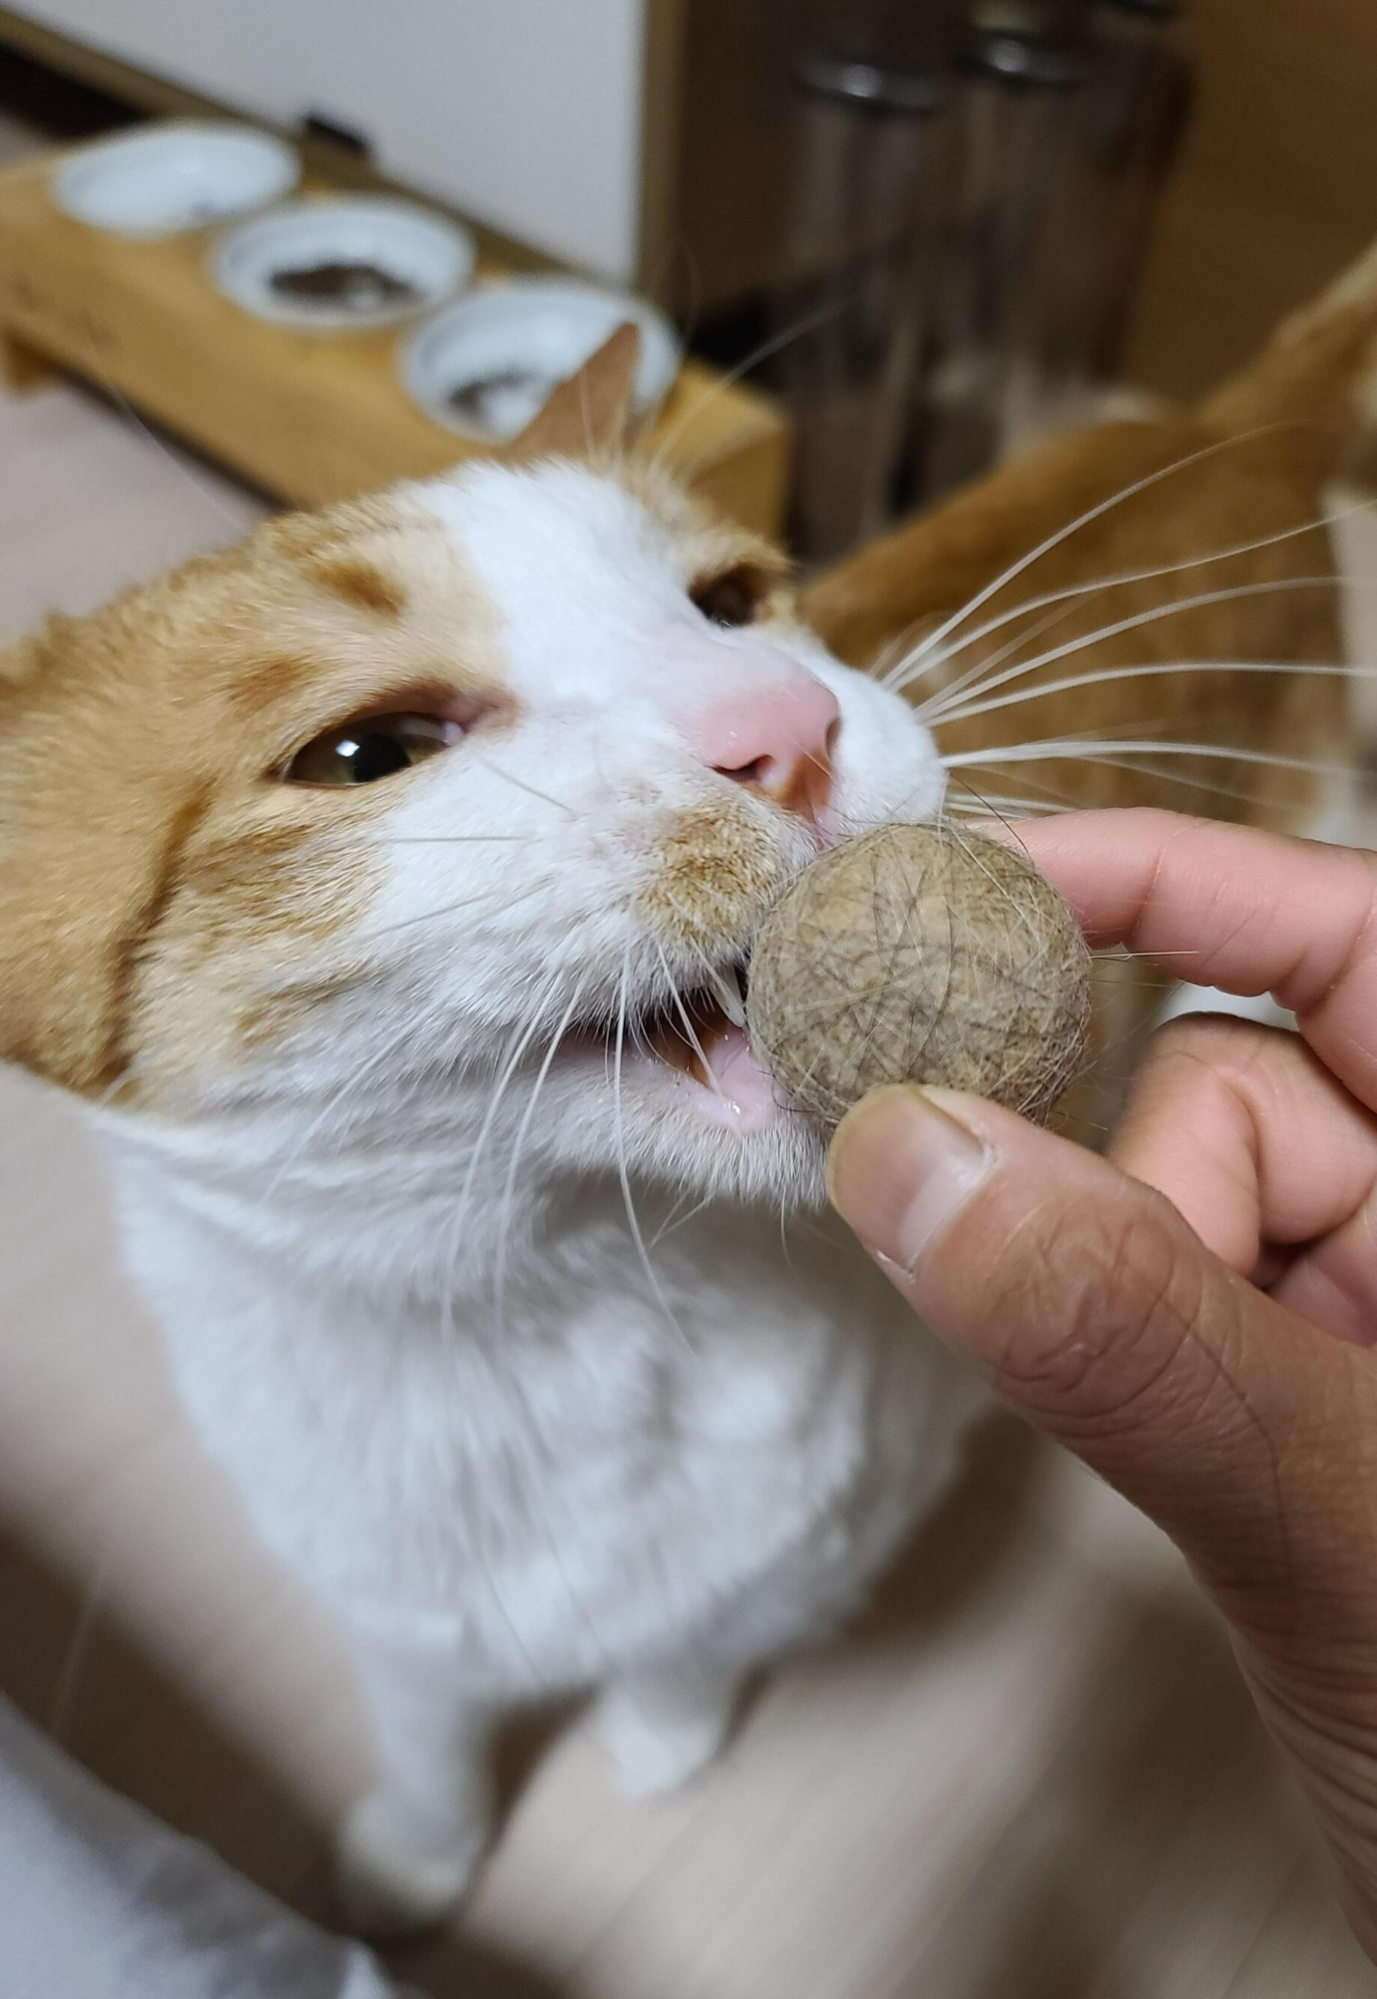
1316,1612
1100,1307
1205,1037
1199,1066
1326,1724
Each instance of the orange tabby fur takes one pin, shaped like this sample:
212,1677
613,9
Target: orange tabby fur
149,875
132,743
1273,440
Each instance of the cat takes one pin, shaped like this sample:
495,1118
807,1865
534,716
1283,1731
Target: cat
383,887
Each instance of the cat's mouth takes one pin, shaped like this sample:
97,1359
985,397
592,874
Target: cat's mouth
700,1037
704,1038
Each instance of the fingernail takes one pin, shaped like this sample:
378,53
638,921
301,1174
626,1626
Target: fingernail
902,1164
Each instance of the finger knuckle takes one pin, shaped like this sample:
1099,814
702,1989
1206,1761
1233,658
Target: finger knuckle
1202,1068
1211,1043
1098,1314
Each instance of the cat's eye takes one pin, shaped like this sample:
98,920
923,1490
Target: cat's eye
733,597
371,747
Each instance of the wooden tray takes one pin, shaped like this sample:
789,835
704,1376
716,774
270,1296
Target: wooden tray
310,417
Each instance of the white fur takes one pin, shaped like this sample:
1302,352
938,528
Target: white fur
509,1456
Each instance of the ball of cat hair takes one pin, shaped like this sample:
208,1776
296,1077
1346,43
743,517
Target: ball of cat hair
920,954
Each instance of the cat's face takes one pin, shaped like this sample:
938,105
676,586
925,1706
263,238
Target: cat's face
465,782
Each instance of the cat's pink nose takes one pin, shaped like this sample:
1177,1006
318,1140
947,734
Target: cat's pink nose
776,739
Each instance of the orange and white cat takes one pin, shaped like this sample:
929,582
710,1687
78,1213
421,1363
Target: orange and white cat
383,887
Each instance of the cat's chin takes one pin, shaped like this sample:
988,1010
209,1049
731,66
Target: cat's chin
720,1080
781,1163
721,1128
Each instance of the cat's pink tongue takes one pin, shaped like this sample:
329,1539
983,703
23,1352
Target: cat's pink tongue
740,1091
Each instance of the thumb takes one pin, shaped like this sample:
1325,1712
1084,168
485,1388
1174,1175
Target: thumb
1102,1318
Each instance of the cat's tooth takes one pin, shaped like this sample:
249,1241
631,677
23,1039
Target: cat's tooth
726,988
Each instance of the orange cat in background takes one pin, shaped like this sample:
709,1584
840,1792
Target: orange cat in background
1079,591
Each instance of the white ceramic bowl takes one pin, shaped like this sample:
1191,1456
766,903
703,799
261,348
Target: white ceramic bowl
157,180
484,367
293,266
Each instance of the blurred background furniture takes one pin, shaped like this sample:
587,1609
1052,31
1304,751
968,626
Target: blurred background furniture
308,417
969,213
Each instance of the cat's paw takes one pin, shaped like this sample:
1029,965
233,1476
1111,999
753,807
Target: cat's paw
660,1738
393,1874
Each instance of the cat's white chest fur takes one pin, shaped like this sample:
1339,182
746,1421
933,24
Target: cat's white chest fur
584,1481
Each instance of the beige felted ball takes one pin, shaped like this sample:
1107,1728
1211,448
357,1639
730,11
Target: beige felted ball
920,954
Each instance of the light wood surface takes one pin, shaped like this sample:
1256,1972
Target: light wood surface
1032,1775
309,417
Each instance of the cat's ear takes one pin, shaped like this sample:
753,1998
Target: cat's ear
591,412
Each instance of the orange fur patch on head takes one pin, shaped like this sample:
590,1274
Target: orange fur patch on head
275,678
361,583
129,944
253,881
156,880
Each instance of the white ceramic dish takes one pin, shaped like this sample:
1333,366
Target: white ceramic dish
271,265
484,367
159,180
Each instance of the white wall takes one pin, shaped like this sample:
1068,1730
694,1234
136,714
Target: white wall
526,113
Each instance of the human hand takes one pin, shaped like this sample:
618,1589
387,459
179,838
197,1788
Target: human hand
1196,1315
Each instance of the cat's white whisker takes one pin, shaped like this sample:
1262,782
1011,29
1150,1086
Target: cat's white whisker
531,790
658,284
984,666
941,706
894,677
1061,801
525,1034
784,1248
1055,797
674,1220
722,383
488,896
1071,748
985,803
690,1032
508,1201
95,367
1152,671
623,1174
377,1060
1194,781
68,1676
1016,569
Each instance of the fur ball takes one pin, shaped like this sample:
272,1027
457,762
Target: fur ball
921,954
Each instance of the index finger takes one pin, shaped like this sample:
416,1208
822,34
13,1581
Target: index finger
1226,906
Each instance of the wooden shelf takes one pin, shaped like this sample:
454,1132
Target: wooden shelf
309,417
